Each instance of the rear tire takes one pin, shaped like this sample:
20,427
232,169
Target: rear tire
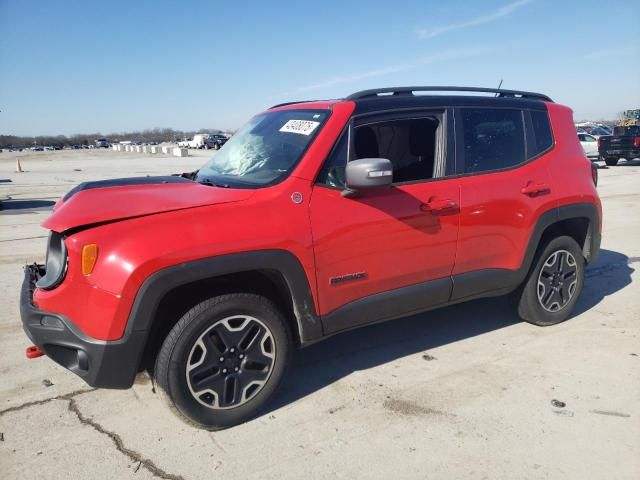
611,161
223,360
553,286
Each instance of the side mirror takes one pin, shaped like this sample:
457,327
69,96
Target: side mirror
368,173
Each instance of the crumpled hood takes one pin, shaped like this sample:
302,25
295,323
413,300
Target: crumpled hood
110,200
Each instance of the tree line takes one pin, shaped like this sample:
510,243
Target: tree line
145,136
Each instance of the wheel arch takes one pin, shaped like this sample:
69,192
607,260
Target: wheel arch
579,221
168,293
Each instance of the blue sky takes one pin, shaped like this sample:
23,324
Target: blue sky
83,66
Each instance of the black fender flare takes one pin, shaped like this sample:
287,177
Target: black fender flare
591,246
160,283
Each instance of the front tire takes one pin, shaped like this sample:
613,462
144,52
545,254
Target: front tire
553,286
611,161
223,360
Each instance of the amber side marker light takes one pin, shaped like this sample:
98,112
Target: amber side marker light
89,258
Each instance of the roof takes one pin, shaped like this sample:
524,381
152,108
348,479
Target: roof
404,97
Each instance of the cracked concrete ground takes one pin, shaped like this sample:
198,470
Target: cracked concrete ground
463,392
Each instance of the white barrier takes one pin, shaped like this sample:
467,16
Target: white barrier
180,152
166,149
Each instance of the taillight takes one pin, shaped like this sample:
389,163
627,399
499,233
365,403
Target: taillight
636,142
594,174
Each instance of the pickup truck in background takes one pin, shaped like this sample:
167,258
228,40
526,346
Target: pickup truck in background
216,141
624,143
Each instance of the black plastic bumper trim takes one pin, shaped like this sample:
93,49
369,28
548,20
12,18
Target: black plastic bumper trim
104,364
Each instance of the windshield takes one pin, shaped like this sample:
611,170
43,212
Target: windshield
265,150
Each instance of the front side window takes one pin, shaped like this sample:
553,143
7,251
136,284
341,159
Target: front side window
333,170
492,139
265,150
410,144
415,147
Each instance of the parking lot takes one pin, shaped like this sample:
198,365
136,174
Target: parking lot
468,391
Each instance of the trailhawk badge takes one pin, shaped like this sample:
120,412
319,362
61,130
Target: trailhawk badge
348,277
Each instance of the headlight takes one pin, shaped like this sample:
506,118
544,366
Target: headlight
56,262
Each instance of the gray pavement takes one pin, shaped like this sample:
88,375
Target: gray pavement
463,392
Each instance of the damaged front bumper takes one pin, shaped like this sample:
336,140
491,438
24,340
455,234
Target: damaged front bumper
104,364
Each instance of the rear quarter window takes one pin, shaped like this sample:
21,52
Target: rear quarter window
542,133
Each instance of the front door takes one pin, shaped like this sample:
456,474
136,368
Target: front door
392,250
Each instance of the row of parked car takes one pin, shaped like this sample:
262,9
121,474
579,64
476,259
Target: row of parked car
50,148
199,141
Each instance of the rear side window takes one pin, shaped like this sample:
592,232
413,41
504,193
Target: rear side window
492,139
542,133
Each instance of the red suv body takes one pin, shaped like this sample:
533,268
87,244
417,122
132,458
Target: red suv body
334,214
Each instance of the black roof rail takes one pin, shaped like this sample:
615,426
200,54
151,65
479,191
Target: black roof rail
409,91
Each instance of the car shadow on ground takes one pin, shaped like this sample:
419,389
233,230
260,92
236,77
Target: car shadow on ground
622,163
322,364
629,163
21,206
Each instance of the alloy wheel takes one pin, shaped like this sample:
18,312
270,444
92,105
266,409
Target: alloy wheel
557,280
230,362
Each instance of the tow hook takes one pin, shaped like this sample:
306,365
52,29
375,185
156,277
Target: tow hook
33,352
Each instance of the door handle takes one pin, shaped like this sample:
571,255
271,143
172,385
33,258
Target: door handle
533,189
440,206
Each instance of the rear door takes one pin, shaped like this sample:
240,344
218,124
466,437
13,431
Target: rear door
391,251
504,187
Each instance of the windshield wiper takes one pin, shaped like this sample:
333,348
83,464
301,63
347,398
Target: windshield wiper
206,181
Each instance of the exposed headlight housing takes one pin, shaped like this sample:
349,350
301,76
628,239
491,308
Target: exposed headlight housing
56,264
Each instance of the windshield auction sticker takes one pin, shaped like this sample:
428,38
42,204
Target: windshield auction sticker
303,127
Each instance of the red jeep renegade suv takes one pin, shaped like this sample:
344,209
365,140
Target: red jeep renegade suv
315,218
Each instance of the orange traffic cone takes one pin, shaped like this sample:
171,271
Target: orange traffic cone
18,166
